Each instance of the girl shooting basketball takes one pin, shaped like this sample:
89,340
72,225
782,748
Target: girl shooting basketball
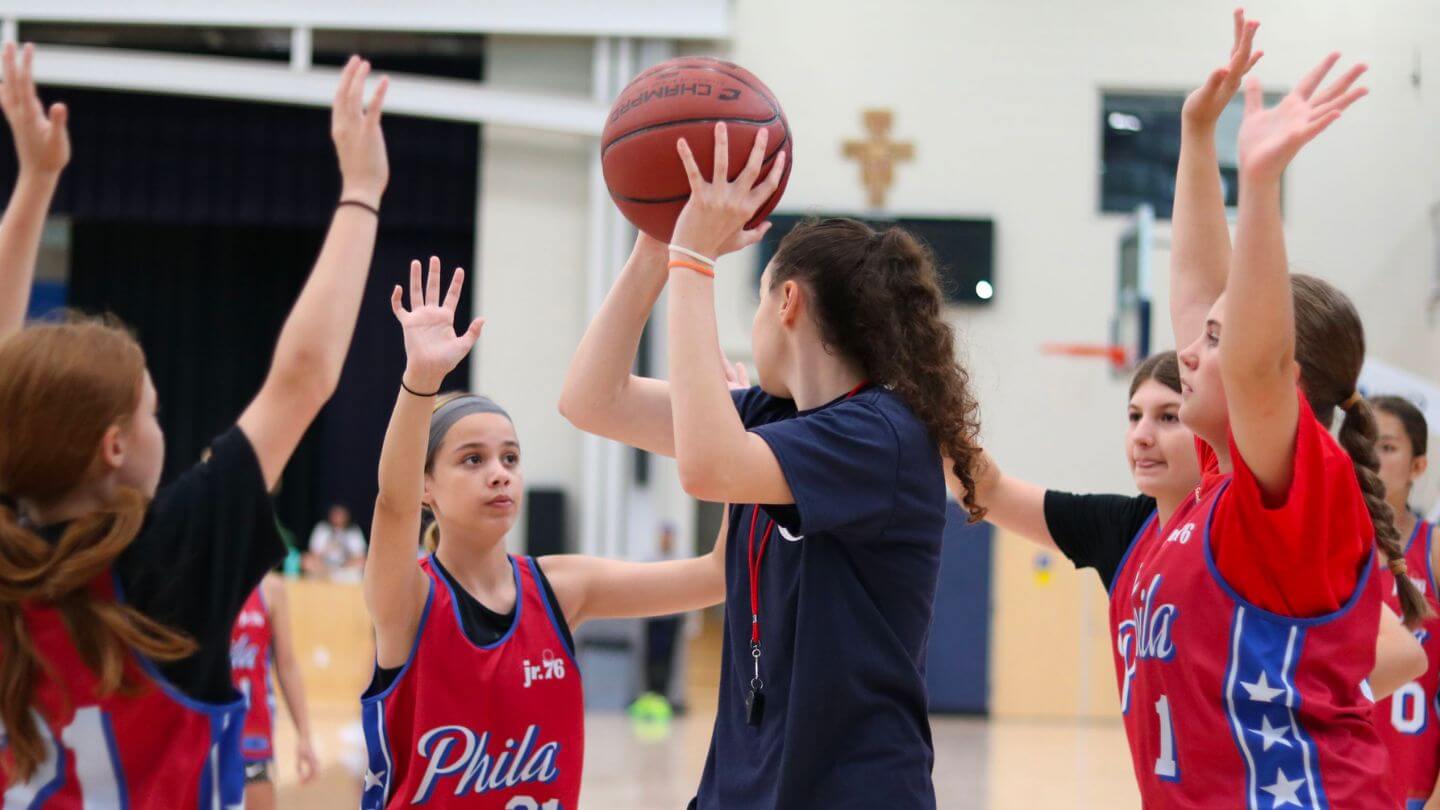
1406,720
1245,629
117,599
476,700
832,467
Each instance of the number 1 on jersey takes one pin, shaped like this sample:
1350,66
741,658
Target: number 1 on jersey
527,803
1165,766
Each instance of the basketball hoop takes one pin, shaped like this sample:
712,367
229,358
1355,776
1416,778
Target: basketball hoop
1119,356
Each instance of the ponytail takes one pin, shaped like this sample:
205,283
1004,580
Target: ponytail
1330,349
878,303
62,576
1358,433
62,386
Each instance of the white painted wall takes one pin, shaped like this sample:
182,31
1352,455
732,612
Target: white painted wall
1002,102
531,246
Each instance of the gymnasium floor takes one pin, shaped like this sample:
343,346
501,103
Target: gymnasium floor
979,765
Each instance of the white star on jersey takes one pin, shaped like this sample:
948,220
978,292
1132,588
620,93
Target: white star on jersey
1285,790
1261,691
372,779
1271,734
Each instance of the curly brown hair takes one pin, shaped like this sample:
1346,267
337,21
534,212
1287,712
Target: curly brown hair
878,302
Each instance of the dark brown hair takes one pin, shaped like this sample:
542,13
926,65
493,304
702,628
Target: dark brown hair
1330,349
1163,368
62,386
878,303
1412,419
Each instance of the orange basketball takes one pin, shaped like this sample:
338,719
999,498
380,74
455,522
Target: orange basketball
685,97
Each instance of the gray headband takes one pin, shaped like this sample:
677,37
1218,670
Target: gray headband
453,411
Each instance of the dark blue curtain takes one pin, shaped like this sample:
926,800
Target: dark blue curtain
197,221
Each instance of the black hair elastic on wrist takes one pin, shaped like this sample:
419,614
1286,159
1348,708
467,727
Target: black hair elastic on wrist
358,204
413,392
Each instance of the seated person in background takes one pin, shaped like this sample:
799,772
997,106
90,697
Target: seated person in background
337,548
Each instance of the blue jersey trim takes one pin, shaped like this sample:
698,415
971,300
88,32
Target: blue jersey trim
1350,602
1134,541
519,605
1429,557
414,647
550,610
62,766
379,762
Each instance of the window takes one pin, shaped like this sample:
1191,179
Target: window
1140,137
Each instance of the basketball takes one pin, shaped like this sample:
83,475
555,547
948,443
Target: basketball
685,98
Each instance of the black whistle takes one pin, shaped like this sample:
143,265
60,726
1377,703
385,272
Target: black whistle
754,708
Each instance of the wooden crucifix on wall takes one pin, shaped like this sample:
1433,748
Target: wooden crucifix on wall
878,155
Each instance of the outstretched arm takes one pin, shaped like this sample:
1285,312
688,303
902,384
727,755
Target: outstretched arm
1200,237
1010,503
42,147
395,587
1257,348
596,588
601,395
719,460
287,673
313,343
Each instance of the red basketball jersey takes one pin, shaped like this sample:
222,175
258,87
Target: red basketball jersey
1407,719
499,726
1228,705
250,669
156,749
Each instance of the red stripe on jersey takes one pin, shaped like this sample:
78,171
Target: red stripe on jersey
1406,720
1228,705
147,751
475,726
250,670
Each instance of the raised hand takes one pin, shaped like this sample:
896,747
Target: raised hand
1270,139
713,220
736,377
41,140
432,349
1205,104
355,128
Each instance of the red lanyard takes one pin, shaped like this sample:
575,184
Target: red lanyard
753,559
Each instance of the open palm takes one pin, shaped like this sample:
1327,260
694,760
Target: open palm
42,142
432,349
1270,138
1208,101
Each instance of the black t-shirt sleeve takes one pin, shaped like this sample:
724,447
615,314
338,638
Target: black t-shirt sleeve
208,539
1094,531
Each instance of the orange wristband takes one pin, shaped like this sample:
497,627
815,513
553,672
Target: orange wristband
699,268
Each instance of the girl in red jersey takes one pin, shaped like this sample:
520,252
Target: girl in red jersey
117,599
1245,629
1407,720
477,699
262,636
1097,531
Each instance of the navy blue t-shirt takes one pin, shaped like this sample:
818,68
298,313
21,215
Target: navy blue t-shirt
847,594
